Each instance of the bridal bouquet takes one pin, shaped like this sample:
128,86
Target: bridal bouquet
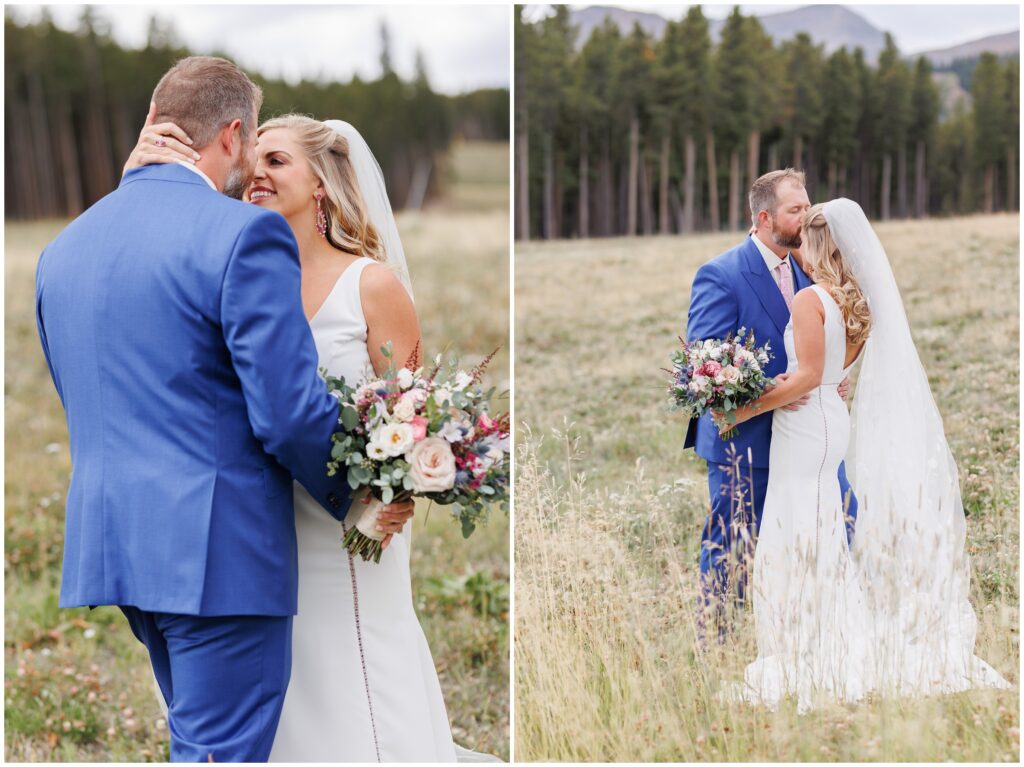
425,433
719,376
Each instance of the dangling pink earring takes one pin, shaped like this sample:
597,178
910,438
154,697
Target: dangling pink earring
321,217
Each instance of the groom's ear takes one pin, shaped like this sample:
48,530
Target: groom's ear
228,134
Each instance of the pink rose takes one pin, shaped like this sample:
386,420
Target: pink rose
432,466
419,428
417,395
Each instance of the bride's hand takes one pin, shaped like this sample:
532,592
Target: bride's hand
792,406
161,143
392,518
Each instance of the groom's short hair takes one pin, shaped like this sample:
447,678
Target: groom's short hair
763,191
202,94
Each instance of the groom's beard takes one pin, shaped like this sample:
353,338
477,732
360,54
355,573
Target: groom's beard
239,178
238,181
789,240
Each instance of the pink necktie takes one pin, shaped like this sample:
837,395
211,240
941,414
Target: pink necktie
786,283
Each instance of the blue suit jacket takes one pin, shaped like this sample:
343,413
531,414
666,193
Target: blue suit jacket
732,291
171,319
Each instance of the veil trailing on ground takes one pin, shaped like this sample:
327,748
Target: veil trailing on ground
375,195
909,541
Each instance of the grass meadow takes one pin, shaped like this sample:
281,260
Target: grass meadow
609,509
77,685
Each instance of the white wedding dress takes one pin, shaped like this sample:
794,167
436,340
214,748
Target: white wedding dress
818,635
363,684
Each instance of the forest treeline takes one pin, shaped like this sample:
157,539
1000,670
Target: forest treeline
76,100
627,135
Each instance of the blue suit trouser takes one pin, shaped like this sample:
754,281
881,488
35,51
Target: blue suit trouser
223,678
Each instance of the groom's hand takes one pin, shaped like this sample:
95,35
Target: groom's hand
844,388
392,518
797,404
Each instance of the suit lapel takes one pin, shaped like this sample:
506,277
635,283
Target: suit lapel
761,281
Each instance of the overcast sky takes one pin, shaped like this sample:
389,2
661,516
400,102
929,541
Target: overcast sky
916,28
465,46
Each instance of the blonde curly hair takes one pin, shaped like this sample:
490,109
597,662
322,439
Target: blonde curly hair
825,261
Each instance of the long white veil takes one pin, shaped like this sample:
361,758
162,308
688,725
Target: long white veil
375,195
909,540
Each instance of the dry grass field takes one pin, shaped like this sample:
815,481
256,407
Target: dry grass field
609,509
77,685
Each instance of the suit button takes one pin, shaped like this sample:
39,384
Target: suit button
333,500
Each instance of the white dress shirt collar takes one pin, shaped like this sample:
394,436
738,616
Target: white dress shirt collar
202,175
771,260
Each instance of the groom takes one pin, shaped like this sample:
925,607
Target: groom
750,286
171,320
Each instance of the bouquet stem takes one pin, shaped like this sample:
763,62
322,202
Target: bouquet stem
363,539
362,545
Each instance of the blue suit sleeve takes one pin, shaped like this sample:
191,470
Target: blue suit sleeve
41,328
275,359
714,312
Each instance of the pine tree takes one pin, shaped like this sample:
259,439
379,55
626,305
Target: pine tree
632,89
595,72
803,100
894,118
1011,126
523,35
692,103
736,91
923,119
989,138
841,107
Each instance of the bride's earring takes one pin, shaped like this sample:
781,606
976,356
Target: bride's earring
321,217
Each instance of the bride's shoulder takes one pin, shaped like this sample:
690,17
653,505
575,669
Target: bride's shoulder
808,298
379,285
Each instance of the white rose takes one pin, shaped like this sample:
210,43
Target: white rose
432,466
715,353
393,438
455,431
730,374
405,409
494,456
442,395
405,378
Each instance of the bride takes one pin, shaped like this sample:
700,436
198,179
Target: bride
363,684
892,616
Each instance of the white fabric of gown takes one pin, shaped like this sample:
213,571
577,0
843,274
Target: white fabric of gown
363,684
816,638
